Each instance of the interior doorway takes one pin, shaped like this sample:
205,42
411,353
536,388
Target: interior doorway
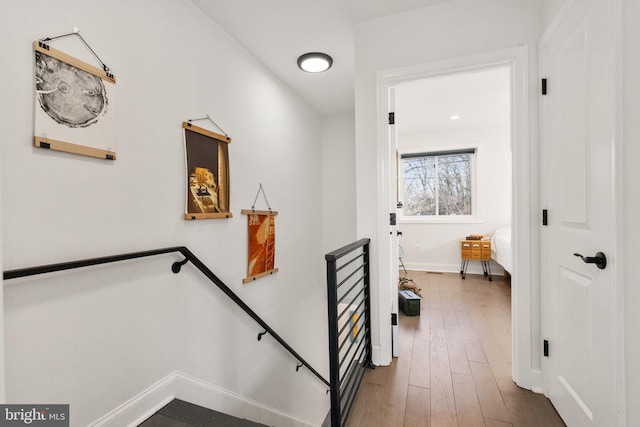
526,371
453,139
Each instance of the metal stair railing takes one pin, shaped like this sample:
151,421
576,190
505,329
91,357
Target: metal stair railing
175,267
349,306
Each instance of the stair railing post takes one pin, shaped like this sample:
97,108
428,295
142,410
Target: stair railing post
334,357
367,296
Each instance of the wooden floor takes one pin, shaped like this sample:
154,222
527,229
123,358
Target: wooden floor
454,367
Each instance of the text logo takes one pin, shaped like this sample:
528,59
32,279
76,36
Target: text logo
34,415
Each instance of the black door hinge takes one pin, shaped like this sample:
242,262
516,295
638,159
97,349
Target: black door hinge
545,217
546,348
544,86
392,118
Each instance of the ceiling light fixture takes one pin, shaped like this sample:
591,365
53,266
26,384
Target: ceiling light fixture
454,117
314,62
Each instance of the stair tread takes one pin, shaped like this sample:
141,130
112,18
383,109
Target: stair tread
179,413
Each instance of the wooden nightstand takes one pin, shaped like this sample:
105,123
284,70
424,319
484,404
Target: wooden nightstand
475,249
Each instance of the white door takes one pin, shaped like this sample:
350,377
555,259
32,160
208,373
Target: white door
578,131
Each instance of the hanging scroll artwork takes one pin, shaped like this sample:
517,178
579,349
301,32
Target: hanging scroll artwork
207,158
262,243
75,104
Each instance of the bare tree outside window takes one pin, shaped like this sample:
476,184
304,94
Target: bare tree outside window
437,184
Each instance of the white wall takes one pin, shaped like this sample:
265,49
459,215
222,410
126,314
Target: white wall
630,91
550,9
436,246
453,29
96,338
2,370
338,185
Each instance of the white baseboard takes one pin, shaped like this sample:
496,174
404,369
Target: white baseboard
536,381
473,268
178,385
141,406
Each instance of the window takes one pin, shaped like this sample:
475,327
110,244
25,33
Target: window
439,183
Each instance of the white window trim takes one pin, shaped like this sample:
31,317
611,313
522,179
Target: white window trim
476,202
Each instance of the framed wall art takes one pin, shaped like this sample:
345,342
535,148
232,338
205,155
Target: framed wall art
207,168
74,104
261,226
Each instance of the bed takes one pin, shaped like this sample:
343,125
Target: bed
501,251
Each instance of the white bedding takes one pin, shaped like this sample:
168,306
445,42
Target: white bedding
501,250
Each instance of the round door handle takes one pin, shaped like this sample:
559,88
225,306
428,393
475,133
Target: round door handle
600,260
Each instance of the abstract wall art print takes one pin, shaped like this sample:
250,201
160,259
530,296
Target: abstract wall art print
75,105
261,226
207,168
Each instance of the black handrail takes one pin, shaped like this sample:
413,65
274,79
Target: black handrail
51,268
175,267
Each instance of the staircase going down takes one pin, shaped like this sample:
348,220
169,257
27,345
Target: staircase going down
179,413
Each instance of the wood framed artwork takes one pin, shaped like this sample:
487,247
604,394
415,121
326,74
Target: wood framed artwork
207,167
261,228
74,105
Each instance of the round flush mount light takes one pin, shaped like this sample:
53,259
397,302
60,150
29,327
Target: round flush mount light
314,62
454,117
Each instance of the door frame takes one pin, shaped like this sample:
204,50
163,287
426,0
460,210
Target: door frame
615,259
525,300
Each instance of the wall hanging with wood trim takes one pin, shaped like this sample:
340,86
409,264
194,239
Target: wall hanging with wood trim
261,228
207,167
75,102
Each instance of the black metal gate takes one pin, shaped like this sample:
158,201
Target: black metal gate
349,304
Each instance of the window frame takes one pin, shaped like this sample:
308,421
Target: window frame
475,216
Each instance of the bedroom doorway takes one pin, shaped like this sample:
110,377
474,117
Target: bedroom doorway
513,63
453,139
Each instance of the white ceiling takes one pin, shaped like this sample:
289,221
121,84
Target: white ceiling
481,98
277,32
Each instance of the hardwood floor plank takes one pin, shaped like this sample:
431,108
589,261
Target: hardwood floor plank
488,422
475,352
443,412
488,393
467,328
393,398
420,375
499,321
468,410
520,411
458,361
407,325
418,408
544,410
436,320
382,401
366,411
458,358
494,353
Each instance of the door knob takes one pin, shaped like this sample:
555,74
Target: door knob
599,260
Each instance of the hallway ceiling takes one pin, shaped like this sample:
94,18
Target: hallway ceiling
276,32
